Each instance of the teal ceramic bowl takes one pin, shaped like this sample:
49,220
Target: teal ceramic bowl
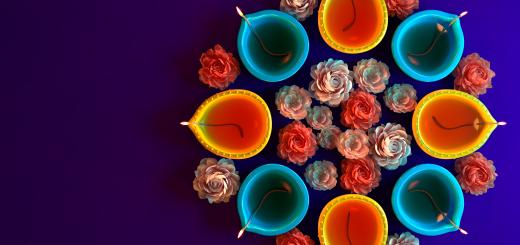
416,211
416,34
280,33
281,212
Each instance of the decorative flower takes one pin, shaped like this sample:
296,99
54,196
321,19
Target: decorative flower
331,82
300,9
319,117
216,181
360,175
353,144
390,145
361,110
294,237
296,143
293,102
219,68
328,137
475,173
401,8
321,175
401,98
473,75
405,238
371,75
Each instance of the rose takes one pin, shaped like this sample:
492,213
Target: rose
361,110
401,8
390,145
401,98
294,237
473,75
405,238
296,143
319,117
328,137
360,175
332,82
321,175
293,102
475,173
353,144
219,68
371,75
216,181
300,9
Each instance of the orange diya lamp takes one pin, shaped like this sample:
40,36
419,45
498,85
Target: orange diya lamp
450,124
235,124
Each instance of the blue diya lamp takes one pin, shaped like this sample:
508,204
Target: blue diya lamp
271,44
272,200
428,200
428,45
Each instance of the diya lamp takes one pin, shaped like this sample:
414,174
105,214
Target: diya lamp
352,26
449,124
352,219
234,124
272,200
428,200
271,44
428,45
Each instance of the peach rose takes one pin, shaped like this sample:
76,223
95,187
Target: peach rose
293,102
331,82
321,175
361,110
401,98
328,137
390,145
371,75
473,75
319,117
219,68
475,173
299,9
360,175
401,8
216,181
405,238
353,144
296,143
294,237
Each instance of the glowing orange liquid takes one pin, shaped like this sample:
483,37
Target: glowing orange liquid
366,226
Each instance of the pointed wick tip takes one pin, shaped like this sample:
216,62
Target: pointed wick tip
463,231
185,123
502,123
239,11
241,233
463,14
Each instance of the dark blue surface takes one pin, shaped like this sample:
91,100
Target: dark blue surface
96,154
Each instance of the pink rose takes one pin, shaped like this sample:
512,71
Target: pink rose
300,9
390,145
473,75
219,68
321,175
319,117
371,75
328,137
294,237
353,144
296,143
401,8
216,181
475,173
293,102
405,238
401,98
361,110
360,175
331,82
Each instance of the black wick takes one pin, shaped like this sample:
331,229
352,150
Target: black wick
351,23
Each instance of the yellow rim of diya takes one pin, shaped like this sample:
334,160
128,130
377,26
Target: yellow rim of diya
483,111
202,139
344,198
342,48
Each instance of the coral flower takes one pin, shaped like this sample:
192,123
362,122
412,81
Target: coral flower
401,8
361,110
473,75
218,68
296,143
475,173
294,237
360,175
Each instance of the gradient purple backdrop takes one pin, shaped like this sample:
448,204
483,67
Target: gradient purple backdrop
97,155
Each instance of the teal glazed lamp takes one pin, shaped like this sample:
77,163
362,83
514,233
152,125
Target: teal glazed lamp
428,45
272,200
428,200
271,44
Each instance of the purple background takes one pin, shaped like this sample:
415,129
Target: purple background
100,87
